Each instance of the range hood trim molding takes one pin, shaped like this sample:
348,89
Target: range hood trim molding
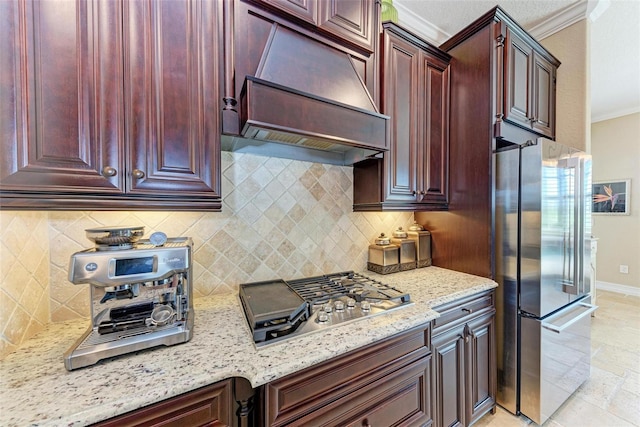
342,127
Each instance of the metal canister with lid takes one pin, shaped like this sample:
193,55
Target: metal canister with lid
383,256
407,249
422,237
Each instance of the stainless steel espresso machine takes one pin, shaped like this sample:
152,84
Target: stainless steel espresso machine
141,293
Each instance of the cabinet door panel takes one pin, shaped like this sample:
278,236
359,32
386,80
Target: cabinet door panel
61,114
171,80
434,157
400,103
306,10
449,378
350,20
543,91
518,80
481,367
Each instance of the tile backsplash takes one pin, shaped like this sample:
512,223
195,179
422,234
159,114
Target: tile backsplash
280,218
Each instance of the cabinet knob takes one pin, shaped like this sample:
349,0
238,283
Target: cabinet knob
108,171
137,174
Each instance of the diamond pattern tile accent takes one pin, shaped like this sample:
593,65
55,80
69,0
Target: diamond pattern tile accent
24,277
281,218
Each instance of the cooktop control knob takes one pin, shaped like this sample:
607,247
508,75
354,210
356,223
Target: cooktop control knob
323,317
339,305
328,308
351,303
365,306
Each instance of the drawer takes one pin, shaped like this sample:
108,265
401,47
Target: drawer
211,405
304,392
462,310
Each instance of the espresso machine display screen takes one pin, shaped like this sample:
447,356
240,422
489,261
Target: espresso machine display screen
125,267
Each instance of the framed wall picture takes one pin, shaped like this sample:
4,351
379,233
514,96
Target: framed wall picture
611,197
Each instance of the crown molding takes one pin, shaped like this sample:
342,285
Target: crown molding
576,12
420,26
568,16
615,114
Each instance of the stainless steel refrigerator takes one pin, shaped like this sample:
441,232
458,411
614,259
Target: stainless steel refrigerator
543,231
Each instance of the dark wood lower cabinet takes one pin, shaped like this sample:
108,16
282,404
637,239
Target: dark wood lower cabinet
464,361
208,406
449,378
410,379
384,384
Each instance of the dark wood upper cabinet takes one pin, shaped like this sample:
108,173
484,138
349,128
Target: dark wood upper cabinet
530,86
113,105
171,109
413,175
501,77
62,117
348,20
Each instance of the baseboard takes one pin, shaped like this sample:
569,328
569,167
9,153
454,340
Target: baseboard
615,287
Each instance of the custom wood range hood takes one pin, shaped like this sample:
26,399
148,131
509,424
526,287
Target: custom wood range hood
300,98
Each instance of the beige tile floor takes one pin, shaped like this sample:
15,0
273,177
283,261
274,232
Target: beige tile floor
611,396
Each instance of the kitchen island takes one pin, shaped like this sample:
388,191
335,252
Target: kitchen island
37,390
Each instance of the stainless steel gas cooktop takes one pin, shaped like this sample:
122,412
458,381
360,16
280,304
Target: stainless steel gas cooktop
279,309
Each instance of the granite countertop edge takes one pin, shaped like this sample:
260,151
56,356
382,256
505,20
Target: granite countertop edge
38,391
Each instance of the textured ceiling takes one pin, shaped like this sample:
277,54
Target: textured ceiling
614,33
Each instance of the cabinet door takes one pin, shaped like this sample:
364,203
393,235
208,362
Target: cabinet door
172,85
61,118
433,146
307,10
481,367
350,20
449,377
544,96
519,57
400,101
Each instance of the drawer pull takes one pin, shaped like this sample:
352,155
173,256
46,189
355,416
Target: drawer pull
467,310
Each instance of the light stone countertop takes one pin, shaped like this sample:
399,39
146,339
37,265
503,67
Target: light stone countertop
36,389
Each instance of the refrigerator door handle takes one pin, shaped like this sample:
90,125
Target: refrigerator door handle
558,329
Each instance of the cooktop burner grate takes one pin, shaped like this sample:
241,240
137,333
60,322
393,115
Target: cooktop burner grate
320,289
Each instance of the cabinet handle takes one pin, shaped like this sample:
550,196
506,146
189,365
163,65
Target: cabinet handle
137,174
467,310
108,171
